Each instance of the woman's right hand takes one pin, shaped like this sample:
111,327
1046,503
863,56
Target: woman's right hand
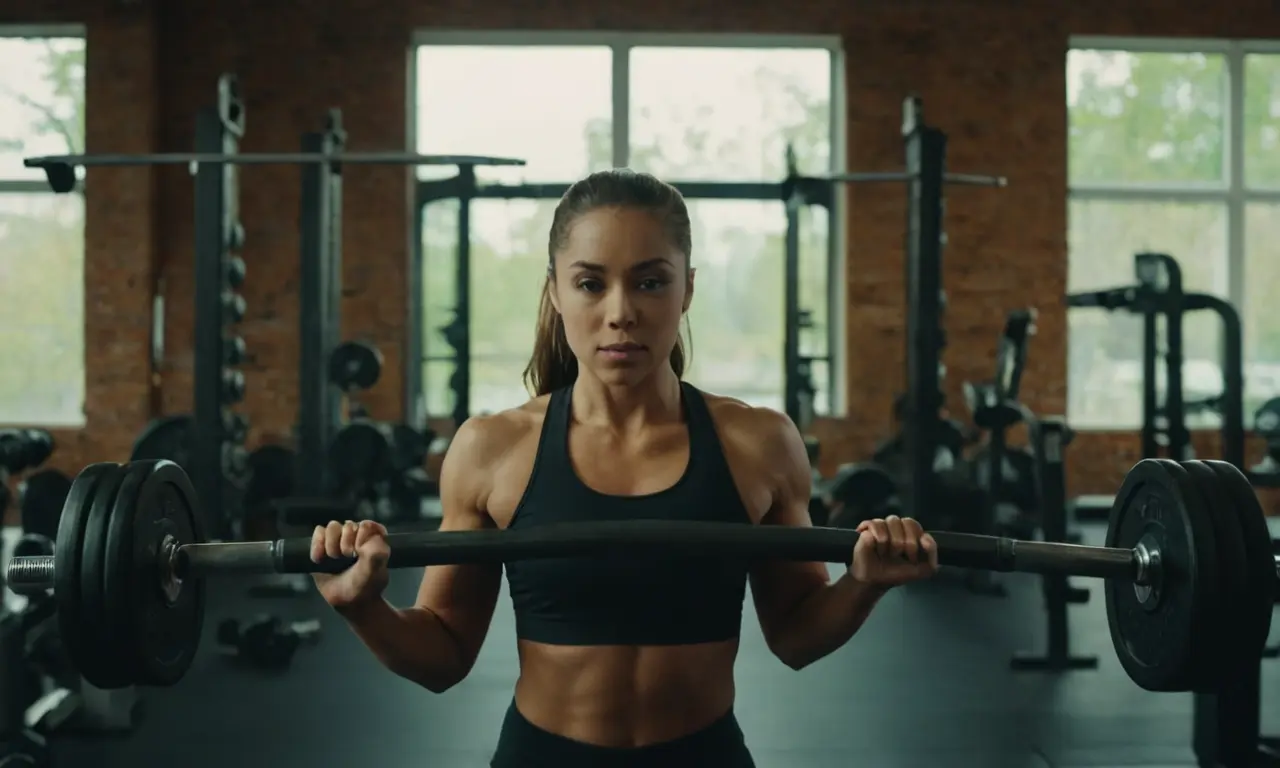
362,582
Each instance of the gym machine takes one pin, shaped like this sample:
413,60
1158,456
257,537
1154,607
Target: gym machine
320,307
1266,425
1049,440
1158,297
210,441
1005,475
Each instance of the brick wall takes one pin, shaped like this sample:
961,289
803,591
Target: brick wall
991,72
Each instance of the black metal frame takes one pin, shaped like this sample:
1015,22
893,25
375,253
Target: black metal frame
1158,296
319,305
464,187
218,129
926,151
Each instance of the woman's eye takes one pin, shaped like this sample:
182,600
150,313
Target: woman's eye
652,284
590,285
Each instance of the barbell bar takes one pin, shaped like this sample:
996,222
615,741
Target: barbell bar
267,158
1188,593
863,177
59,170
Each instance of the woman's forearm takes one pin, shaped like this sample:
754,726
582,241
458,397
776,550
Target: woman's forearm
825,620
411,642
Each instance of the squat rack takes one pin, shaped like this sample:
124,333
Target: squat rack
925,176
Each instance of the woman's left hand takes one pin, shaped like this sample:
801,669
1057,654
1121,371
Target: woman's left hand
891,551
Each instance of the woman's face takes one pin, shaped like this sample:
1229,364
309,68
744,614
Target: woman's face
621,288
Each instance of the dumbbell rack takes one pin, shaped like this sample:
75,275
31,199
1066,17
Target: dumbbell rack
218,457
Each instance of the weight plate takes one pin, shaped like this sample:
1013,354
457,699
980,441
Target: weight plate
360,457
103,666
411,446
856,492
66,560
1234,611
168,437
167,615
1159,633
117,572
33,545
43,494
271,477
354,365
1259,599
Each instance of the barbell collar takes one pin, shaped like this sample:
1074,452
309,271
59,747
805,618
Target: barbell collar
267,158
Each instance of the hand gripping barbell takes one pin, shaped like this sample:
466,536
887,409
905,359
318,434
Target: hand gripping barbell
1188,569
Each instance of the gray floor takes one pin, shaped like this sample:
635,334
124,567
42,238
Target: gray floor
926,683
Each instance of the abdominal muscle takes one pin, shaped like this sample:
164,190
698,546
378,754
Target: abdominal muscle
625,696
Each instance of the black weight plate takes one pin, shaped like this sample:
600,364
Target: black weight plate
103,668
168,437
1158,640
361,456
272,470
1234,612
1259,558
33,545
411,447
167,616
354,365
117,572
66,561
43,494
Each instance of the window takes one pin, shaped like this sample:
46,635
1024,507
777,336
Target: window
573,104
1166,155
42,380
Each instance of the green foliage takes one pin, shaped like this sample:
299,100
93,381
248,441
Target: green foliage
1162,119
736,321
42,245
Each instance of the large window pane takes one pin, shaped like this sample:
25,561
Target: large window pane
815,299
1146,117
508,268
439,297
551,106
41,101
42,309
1262,120
736,319
1260,312
728,114
1104,367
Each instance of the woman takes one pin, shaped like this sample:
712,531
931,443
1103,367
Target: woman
623,661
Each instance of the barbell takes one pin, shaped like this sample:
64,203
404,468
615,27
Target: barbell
60,169
1187,566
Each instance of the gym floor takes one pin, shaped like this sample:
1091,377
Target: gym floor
925,683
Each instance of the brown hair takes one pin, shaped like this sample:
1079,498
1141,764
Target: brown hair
552,365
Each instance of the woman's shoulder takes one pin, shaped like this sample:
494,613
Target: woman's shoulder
486,436
737,418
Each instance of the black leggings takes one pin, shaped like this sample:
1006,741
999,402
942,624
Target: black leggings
524,745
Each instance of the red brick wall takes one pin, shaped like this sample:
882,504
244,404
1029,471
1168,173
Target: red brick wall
992,75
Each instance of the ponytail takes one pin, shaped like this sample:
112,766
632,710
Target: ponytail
552,365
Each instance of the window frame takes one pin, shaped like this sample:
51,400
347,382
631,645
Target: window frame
1232,191
10,186
620,45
